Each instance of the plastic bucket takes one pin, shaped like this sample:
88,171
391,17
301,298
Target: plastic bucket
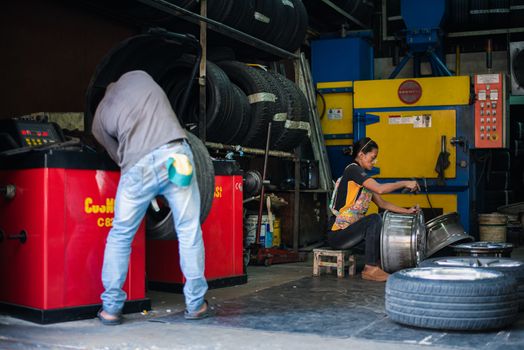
250,231
277,236
492,227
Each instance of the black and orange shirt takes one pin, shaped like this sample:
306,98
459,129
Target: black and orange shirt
352,199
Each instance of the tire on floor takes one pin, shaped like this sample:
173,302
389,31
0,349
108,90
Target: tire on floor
452,298
510,267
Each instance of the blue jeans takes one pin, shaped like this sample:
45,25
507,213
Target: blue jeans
137,187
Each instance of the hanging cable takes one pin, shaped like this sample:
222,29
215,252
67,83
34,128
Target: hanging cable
323,103
427,196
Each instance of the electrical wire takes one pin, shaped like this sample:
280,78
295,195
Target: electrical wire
427,196
323,104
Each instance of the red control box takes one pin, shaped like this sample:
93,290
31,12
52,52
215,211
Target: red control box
53,234
490,111
223,241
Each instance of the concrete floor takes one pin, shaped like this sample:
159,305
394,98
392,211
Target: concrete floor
139,333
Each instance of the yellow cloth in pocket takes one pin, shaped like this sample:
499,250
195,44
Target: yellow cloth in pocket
179,169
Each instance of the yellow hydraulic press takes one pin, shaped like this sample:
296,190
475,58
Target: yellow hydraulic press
423,127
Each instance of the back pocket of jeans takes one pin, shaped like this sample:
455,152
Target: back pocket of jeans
132,181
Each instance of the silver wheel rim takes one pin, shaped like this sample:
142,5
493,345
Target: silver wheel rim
478,262
483,245
451,273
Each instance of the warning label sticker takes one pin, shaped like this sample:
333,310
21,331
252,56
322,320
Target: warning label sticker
335,114
418,121
422,121
397,119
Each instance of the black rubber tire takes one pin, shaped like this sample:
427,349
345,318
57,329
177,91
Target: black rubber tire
251,81
284,20
264,20
160,225
281,105
513,268
149,53
241,15
451,303
241,115
298,33
297,110
205,174
219,10
219,97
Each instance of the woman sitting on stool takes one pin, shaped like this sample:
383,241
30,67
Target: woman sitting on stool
351,201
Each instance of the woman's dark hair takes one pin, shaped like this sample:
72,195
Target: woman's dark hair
364,145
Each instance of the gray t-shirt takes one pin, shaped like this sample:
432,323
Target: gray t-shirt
134,118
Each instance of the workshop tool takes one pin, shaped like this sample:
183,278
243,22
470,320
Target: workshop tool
442,162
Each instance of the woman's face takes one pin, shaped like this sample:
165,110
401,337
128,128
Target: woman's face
368,160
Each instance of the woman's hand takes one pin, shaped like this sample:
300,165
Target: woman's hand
412,186
413,210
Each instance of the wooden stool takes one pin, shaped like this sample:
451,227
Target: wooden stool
319,260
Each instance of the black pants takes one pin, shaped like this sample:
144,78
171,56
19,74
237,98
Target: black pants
368,228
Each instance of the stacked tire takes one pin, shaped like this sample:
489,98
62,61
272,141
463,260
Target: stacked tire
241,101
282,23
452,298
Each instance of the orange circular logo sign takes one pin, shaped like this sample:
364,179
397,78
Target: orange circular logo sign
409,91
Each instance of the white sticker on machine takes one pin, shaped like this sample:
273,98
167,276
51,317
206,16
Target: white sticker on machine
397,119
422,121
335,114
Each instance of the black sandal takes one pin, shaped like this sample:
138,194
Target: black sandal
198,315
107,322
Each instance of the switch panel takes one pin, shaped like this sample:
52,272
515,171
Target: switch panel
490,111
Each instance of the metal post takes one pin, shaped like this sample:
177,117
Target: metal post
296,203
401,65
262,191
305,82
202,75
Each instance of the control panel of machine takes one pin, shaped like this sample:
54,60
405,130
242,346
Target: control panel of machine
490,111
29,133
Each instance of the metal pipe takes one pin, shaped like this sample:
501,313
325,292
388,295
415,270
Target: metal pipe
486,32
257,151
440,64
296,204
384,21
262,191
